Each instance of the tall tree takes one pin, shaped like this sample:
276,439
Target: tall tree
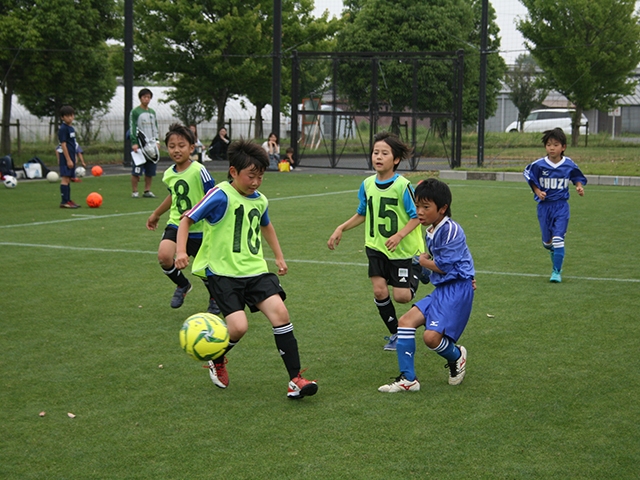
57,55
217,49
412,26
527,87
587,48
300,31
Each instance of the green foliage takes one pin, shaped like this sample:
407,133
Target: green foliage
96,337
413,26
588,49
57,55
212,50
527,87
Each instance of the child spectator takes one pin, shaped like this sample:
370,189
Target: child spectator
446,310
67,161
236,219
187,182
289,157
144,137
549,179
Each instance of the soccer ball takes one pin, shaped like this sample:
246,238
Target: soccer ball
94,200
96,171
53,177
10,181
204,336
80,172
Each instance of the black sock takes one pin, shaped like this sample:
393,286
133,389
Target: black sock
232,344
65,193
176,276
388,314
288,348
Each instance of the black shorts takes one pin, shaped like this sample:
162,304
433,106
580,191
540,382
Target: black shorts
193,243
233,294
397,273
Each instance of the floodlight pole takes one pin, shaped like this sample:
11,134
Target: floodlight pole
483,81
277,67
128,77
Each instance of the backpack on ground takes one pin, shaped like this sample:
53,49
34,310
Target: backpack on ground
35,168
6,166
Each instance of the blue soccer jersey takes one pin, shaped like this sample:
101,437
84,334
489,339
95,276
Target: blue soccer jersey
447,245
553,178
67,134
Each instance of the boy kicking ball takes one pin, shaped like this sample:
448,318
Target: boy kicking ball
236,218
445,311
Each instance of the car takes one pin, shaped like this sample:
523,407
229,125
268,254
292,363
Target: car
547,119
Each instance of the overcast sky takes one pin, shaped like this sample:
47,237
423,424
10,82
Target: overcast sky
507,11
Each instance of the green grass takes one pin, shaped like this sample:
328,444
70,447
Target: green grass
551,389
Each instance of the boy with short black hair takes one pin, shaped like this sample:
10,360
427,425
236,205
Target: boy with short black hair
446,310
236,218
549,179
187,182
392,233
67,159
144,137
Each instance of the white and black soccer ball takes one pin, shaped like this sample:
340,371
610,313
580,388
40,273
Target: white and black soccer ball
80,172
10,181
149,147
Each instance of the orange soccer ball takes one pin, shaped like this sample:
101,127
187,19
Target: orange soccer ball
96,171
94,199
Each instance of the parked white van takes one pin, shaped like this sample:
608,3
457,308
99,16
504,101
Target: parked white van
547,119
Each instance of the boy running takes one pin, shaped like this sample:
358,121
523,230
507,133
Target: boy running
187,182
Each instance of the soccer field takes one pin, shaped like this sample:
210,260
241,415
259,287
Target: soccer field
552,387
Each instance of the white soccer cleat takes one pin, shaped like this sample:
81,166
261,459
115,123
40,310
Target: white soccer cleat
400,384
457,369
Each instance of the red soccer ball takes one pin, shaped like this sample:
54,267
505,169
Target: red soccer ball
94,199
96,171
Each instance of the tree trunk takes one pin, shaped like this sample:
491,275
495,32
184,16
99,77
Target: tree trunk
221,104
5,133
259,122
575,126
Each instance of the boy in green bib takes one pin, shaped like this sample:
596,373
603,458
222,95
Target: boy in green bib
392,237
235,216
187,182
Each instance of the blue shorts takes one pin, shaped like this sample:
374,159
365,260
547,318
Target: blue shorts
148,168
64,170
447,309
553,218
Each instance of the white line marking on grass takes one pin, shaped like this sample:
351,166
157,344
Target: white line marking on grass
77,218
80,217
316,262
271,199
82,249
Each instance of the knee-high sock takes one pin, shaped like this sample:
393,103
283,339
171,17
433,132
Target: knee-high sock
448,350
288,348
65,193
558,253
176,276
406,350
388,314
232,344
